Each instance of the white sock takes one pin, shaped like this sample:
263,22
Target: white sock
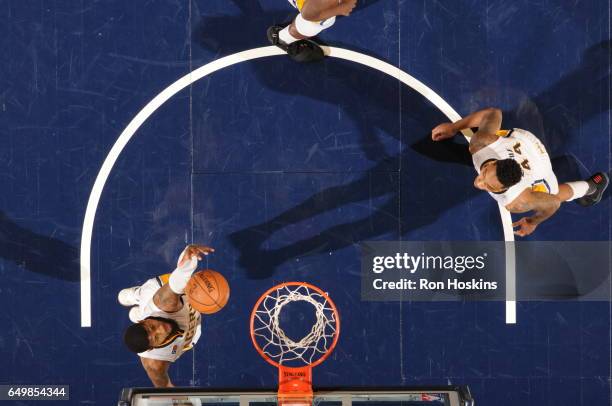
180,276
285,36
579,188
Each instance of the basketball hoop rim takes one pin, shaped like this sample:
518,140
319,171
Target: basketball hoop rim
319,291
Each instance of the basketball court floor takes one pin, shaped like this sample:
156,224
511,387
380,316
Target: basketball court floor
130,129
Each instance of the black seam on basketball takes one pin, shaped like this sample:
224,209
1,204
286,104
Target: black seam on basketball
191,299
197,281
215,302
227,288
216,283
197,301
214,278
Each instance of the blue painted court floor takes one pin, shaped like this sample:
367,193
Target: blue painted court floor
284,169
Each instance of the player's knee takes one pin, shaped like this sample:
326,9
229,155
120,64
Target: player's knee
312,28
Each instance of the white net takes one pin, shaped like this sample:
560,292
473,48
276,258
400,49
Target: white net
273,341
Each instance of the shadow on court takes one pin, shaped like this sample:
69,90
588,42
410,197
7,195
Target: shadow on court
38,253
402,203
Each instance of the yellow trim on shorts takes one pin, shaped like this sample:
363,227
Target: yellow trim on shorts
300,4
539,188
163,279
503,133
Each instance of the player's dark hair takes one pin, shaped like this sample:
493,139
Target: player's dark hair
508,172
136,338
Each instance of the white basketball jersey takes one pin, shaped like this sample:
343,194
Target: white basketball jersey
530,153
188,320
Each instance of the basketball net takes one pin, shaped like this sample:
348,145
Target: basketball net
294,359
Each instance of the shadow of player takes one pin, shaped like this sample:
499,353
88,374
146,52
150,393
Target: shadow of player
38,253
382,182
377,113
579,95
386,217
557,114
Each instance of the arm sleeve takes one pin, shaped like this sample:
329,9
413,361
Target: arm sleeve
180,276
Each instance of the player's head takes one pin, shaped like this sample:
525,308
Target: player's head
152,332
136,338
497,176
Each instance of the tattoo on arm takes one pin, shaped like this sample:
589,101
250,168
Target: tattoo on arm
545,206
167,300
542,204
489,123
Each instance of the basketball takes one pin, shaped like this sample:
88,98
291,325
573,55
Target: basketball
207,291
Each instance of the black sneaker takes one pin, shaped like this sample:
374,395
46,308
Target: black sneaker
274,38
600,182
303,50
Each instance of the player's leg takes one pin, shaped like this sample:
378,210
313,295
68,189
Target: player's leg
134,315
129,296
314,17
302,28
585,192
565,192
132,297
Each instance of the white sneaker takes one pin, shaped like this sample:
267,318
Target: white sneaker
135,314
129,296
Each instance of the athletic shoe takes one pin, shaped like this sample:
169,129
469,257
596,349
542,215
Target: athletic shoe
303,50
129,297
273,37
600,182
134,314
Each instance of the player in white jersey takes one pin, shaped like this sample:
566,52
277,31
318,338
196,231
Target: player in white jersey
165,324
314,16
514,167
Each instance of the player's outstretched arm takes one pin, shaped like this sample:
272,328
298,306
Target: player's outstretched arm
543,205
157,371
168,297
488,122
193,251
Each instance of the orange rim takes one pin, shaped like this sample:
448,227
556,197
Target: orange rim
328,299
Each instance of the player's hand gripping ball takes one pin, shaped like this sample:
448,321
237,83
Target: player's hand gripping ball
207,291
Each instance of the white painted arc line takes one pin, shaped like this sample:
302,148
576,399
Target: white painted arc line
124,138
397,73
185,81
443,106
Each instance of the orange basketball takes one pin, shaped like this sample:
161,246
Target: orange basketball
207,291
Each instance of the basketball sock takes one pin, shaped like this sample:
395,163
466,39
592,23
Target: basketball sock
285,36
580,188
180,276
